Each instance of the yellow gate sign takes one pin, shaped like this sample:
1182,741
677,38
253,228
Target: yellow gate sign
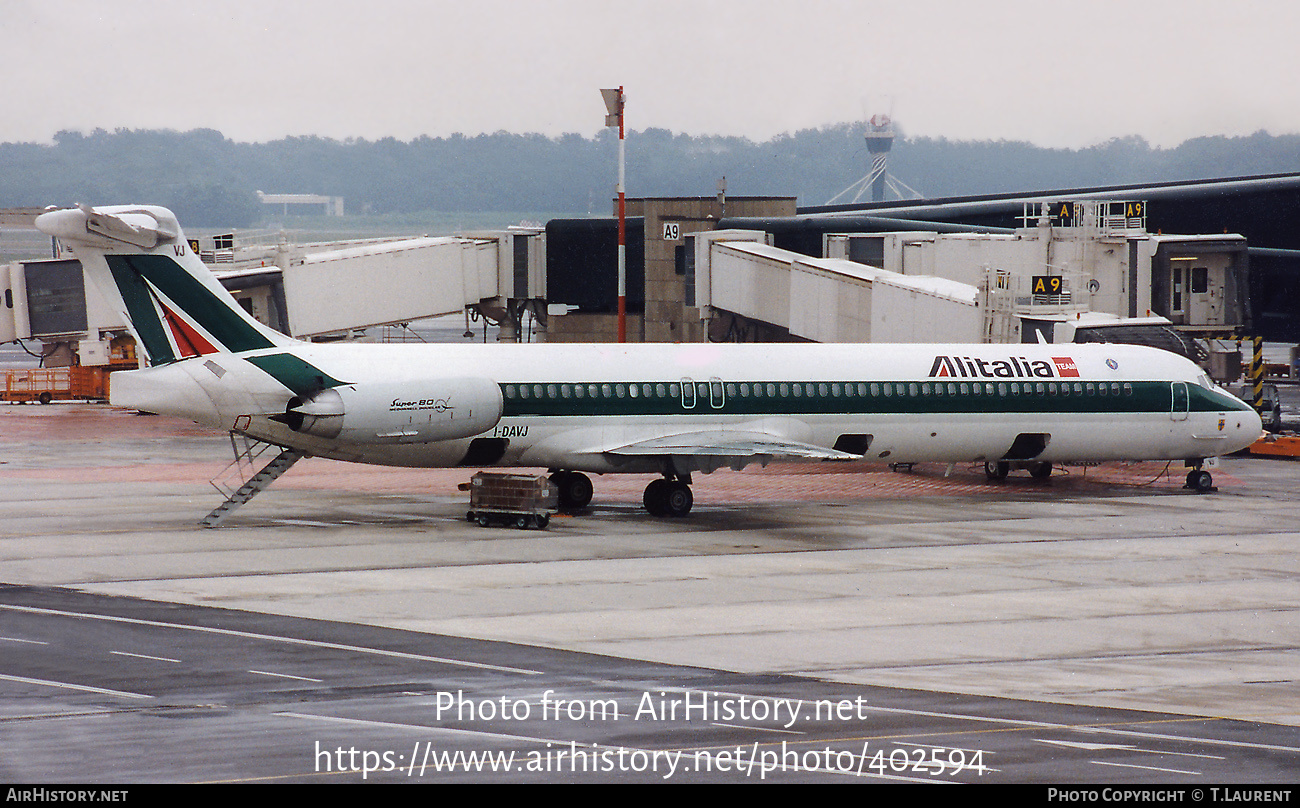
1047,285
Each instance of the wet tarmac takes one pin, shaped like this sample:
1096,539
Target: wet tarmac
1105,597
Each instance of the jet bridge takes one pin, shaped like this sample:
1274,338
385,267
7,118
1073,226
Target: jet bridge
375,284
306,291
315,291
747,287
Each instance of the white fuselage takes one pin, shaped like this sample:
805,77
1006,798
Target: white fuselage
914,403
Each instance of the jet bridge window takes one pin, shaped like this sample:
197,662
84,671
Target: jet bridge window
1200,280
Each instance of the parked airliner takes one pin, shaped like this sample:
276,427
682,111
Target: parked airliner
671,410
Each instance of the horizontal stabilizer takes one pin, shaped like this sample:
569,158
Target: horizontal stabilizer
141,227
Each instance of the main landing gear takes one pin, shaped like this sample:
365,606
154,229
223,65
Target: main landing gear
670,496
575,490
999,470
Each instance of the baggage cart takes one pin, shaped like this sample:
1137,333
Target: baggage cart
54,384
522,500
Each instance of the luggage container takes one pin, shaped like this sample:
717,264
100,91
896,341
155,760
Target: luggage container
523,500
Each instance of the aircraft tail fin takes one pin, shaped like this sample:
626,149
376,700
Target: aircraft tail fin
139,260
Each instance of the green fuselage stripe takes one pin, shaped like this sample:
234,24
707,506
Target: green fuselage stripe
558,399
300,376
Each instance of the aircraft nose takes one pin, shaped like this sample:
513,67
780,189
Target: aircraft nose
1252,423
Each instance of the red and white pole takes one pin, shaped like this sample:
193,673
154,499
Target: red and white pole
614,102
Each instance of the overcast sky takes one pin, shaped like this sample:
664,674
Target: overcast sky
1054,72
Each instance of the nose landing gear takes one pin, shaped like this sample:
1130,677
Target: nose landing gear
1200,481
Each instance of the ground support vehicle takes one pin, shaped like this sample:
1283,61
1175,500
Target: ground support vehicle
54,384
523,500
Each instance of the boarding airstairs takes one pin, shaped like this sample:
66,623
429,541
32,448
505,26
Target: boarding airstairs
241,480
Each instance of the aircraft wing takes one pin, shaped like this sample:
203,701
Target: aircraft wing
728,443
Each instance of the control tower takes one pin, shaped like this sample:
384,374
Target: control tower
880,137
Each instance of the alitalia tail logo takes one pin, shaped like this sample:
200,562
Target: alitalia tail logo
175,315
1013,367
189,342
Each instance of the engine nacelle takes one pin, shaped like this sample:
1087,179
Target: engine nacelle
418,411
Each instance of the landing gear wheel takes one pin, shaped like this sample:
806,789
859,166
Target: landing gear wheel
679,499
998,470
1200,481
668,498
1040,471
656,498
575,489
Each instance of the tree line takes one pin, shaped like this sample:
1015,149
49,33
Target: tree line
211,181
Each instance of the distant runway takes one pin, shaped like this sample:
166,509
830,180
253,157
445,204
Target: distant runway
1104,627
